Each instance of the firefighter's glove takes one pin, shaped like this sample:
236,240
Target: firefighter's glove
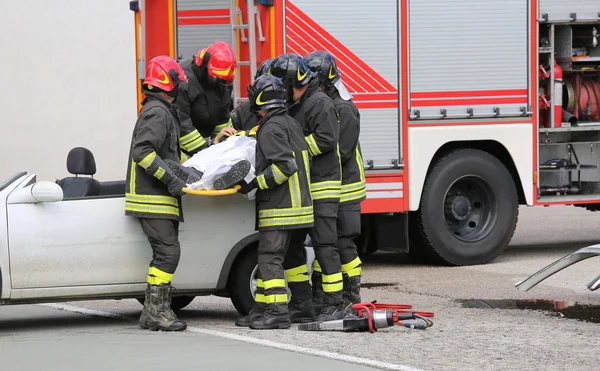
175,186
248,187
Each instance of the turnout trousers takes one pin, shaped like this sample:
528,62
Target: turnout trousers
348,228
163,236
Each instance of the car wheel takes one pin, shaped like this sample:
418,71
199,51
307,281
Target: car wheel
468,210
177,302
242,281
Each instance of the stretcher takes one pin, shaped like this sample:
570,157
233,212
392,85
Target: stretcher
212,192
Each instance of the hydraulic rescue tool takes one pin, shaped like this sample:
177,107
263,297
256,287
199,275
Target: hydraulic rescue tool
372,317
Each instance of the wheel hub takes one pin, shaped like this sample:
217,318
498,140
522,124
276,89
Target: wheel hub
458,207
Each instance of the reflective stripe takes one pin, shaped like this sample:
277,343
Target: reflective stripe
278,175
353,264
317,266
259,298
324,195
158,277
183,157
298,274
188,138
295,220
333,287
306,164
276,298
352,196
152,199
354,272
197,143
147,161
158,174
151,209
361,165
274,283
132,175
328,184
312,145
331,278
294,188
220,127
262,183
260,283
270,213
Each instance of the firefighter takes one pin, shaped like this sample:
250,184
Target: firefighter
354,189
316,113
241,117
153,192
284,203
206,100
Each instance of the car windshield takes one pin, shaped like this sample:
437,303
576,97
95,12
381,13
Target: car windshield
11,179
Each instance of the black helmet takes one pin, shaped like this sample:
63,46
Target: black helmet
323,65
263,68
266,92
292,70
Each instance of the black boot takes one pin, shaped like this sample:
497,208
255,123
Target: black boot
236,174
275,316
145,317
302,312
351,293
255,312
188,174
317,290
160,314
333,307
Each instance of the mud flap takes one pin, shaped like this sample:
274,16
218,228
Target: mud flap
560,264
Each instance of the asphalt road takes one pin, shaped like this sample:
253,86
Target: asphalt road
494,335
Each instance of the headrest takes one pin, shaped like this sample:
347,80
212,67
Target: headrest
81,161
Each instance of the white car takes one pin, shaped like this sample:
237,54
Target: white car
58,247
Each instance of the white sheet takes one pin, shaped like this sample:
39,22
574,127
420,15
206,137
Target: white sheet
218,159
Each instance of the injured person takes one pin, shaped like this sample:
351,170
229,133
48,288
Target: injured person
219,167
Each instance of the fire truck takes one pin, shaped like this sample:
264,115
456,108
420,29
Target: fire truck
469,108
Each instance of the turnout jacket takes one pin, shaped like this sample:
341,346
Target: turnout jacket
354,189
318,118
157,136
283,200
242,118
208,107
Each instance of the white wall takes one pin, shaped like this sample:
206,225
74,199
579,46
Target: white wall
68,80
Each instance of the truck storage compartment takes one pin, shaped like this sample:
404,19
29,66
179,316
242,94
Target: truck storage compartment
569,10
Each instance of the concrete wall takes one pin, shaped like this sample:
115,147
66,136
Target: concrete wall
68,80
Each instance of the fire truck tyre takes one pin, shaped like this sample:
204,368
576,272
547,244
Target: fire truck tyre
242,281
469,209
177,302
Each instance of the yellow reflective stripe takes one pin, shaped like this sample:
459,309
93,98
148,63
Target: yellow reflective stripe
328,184
132,177
269,213
353,186
294,188
262,183
195,144
295,220
353,195
278,174
276,298
147,161
220,127
158,174
331,278
260,283
361,165
312,145
151,209
159,276
306,164
152,199
260,298
183,157
353,264
317,266
323,195
333,287
298,274
354,272
274,283
188,138
240,133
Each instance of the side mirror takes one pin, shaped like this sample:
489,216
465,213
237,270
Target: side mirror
42,191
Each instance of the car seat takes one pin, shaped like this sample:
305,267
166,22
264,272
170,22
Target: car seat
80,161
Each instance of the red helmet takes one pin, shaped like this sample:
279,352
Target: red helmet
164,73
220,61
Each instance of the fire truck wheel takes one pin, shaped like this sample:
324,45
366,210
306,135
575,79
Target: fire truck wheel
469,209
242,283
